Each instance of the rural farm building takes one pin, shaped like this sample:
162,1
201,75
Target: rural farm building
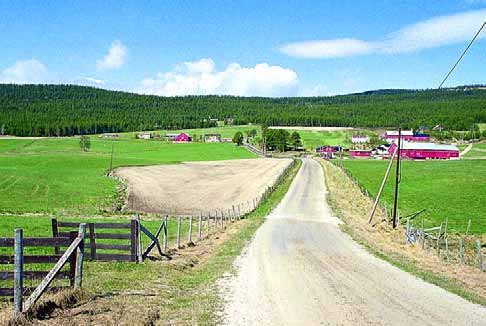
426,151
326,151
183,137
360,153
212,138
144,135
109,136
406,135
171,137
360,139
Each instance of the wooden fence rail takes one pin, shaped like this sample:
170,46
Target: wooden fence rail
129,243
73,255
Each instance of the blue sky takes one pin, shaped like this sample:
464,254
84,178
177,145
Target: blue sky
262,48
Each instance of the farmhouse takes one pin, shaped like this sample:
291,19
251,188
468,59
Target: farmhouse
212,138
144,135
359,153
326,151
360,139
183,137
171,137
426,151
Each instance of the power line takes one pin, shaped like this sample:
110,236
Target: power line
462,55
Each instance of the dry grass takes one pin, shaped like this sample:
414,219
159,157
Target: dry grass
353,208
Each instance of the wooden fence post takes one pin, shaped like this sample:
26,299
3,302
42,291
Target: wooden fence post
18,271
92,241
139,239
78,274
72,260
480,255
189,236
461,251
133,240
166,221
209,220
55,234
199,226
179,220
468,227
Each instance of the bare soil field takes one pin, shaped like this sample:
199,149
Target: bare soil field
188,188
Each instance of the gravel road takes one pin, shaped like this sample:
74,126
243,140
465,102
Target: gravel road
300,269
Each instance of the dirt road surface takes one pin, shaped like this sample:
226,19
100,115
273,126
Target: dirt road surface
300,269
189,188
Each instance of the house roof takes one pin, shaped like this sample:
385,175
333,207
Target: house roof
429,146
404,133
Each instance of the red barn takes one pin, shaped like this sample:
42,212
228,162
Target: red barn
426,151
326,151
359,153
183,137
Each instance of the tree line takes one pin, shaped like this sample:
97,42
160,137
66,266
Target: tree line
66,110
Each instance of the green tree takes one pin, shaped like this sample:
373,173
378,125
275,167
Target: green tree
85,143
277,139
295,140
238,138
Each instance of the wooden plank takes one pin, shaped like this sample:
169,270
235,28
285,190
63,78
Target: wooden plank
31,259
92,241
113,246
112,235
55,234
96,225
36,242
113,257
134,240
52,273
33,275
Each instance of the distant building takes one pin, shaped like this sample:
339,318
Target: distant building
144,135
227,140
212,138
406,135
360,139
171,137
183,137
426,151
109,136
326,152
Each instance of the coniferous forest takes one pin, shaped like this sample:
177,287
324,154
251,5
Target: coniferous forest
65,110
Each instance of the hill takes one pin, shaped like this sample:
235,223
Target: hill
64,110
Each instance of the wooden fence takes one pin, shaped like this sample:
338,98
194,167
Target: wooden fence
73,255
127,242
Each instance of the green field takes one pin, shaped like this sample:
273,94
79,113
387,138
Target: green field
478,150
313,139
453,189
225,131
482,126
55,176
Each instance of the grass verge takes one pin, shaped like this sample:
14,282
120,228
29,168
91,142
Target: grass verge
352,207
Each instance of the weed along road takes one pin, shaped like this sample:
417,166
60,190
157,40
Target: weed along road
300,269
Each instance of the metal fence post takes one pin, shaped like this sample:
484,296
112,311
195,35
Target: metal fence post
189,237
18,271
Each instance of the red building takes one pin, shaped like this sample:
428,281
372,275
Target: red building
359,153
426,151
183,137
326,151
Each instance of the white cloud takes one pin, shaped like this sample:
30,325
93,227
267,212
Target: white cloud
431,33
114,59
202,78
25,72
92,80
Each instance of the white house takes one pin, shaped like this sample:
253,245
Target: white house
360,139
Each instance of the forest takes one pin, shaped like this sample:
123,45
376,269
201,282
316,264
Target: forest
65,110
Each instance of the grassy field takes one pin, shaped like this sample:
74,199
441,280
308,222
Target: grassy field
478,150
55,176
225,131
482,126
453,189
313,139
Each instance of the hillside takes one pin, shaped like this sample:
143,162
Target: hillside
42,110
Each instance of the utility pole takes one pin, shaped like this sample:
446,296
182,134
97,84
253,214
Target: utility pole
397,178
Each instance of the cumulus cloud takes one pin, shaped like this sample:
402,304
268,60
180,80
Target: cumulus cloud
91,80
24,72
431,33
114,59
202,78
